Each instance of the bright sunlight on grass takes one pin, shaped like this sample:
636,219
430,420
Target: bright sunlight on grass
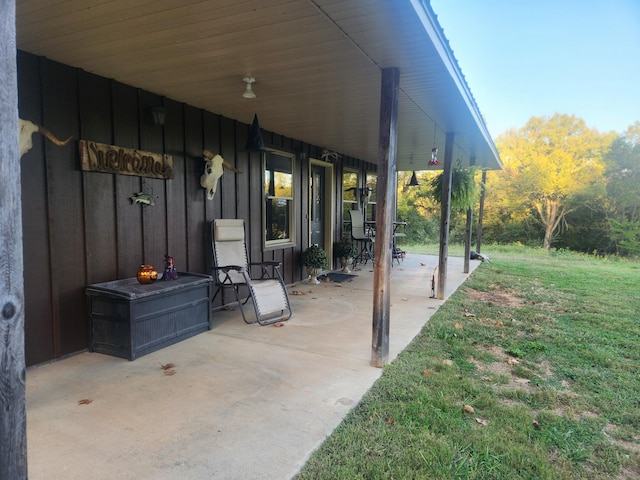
529,371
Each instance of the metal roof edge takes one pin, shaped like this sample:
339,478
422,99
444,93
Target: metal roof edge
434,30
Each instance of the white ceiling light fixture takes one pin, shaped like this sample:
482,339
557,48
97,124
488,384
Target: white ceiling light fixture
249,93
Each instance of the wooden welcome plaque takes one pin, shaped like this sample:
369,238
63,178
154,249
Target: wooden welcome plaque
98,157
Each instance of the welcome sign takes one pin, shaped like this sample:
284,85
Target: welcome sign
98,157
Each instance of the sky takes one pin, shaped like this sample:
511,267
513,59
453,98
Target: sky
525,58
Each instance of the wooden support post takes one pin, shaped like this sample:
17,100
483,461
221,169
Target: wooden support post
469,228
385,208
481,211
445,215
13,437
467,240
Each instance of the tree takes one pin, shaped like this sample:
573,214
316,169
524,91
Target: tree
623,178
548,163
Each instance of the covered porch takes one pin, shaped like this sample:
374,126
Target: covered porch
244,401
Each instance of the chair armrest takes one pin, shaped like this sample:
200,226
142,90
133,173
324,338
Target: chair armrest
226,268
264,266
266,263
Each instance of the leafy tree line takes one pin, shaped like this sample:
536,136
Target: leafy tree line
563,185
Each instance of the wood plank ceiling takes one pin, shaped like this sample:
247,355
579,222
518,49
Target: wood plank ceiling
317,65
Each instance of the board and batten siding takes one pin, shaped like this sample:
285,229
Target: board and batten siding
81,227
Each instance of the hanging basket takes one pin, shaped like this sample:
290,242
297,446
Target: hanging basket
463,188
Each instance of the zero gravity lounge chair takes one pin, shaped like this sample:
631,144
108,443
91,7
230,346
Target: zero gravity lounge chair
233,270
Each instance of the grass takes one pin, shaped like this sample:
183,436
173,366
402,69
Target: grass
544,347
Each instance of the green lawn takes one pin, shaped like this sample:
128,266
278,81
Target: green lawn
531,370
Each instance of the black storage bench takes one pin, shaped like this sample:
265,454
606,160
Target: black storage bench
128,319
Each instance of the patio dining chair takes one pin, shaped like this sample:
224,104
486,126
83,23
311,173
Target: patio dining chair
232,269
361,235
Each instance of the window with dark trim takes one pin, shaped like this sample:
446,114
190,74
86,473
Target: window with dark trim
279,194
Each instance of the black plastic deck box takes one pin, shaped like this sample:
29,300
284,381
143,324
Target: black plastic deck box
128,319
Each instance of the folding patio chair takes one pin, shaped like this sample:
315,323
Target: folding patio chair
233,270
362,236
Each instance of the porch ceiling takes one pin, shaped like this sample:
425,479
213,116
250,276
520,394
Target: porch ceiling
317,65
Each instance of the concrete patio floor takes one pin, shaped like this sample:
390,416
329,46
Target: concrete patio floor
245,402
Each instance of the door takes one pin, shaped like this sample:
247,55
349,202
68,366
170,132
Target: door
317,208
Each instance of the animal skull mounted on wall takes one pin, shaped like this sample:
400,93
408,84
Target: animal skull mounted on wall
28,128
213,170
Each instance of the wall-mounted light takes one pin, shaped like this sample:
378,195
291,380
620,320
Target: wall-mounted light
255,142
158,114
249,93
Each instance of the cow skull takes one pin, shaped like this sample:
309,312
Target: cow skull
212,172
27,128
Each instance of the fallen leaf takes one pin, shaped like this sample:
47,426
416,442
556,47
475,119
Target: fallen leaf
512,361
469,409
390,421
169,372
85,401
458,326
426,373
536,425
167,366
297,292
278,324
447,362
467,313
499,324
350,280
482,421
311,291
502,335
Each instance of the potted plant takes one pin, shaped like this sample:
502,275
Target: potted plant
345,250
315,259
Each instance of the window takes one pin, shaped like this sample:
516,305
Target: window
278,187
349,198
372,179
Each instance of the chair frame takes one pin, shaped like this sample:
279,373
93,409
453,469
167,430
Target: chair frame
365,241
270,272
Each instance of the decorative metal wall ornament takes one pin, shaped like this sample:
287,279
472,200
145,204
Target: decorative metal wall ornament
330,156
142,198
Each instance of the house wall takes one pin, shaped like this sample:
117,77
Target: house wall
81,228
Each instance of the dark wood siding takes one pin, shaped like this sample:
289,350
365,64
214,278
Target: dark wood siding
81,227
39,326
